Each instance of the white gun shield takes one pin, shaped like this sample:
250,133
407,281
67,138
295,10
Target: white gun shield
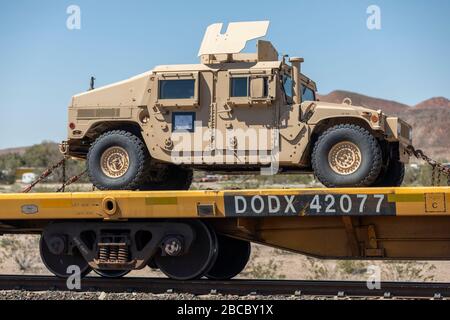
234,39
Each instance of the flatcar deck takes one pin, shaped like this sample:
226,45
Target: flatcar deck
414,201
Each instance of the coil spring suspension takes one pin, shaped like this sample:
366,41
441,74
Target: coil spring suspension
114,249
113,253
103,254
123,254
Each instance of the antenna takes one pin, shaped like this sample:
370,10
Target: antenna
92,84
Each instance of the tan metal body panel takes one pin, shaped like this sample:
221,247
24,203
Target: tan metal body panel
158,133
324,110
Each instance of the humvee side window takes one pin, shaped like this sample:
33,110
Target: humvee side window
308,94
177,89
240,87
287,85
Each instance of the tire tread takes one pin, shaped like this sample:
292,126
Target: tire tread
374,146
143,160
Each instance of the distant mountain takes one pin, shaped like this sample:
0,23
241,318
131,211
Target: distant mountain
364,101
430,119
435,103
20,150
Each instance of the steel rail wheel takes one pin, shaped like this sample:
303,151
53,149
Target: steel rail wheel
112,274
58,262
232,257
196,262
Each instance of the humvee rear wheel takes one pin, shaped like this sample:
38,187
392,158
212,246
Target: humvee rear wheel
347,156
232,257
117,161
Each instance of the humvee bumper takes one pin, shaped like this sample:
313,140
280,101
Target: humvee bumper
73,148
398,130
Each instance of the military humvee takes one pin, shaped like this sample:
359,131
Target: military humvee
234,112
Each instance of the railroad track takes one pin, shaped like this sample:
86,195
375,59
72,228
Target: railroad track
233,287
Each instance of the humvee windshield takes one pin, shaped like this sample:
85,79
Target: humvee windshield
287,85
308,94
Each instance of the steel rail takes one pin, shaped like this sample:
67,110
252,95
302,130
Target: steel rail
233,287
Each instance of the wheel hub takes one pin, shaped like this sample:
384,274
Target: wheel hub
115,162
344,158
56,245
173,246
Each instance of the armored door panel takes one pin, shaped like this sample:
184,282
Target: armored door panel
246,116
180,116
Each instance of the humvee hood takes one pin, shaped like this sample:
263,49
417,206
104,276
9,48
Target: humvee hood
324,110
342,106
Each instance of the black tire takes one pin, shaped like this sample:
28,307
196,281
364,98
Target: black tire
174,178
134,177
370,163
392,176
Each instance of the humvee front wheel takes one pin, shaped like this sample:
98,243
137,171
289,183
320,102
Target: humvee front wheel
117,161
347,156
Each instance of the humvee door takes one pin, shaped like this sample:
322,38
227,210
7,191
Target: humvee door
181,108
246,115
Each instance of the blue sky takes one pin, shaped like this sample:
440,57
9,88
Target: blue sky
42,63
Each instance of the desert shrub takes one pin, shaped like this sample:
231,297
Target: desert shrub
262,270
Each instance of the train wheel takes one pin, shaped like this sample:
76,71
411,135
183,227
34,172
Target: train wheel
112,274
192,264
58,262
233,255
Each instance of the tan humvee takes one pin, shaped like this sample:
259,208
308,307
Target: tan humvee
234,112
